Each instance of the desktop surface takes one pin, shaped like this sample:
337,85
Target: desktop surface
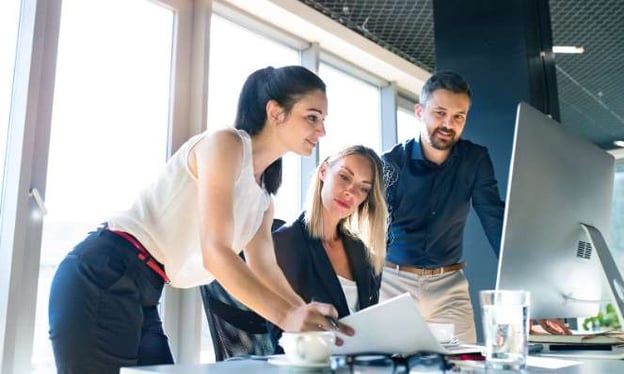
256,366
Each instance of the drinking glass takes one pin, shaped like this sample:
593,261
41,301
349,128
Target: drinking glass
505,328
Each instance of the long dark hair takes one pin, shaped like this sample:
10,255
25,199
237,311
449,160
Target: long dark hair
285,85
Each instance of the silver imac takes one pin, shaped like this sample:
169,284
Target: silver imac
558,208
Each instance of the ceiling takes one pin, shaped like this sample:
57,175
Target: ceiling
591,85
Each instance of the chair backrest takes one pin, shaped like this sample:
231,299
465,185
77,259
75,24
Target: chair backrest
235,329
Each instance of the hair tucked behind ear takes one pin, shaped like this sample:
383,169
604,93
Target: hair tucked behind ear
285,85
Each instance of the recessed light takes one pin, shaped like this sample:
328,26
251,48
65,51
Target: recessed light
619,143
567,49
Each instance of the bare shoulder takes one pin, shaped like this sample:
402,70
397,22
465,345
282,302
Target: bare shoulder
220,149
224,139
225,142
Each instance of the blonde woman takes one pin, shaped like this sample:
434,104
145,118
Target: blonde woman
334,252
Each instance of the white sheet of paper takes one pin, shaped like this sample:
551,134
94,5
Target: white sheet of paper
392,326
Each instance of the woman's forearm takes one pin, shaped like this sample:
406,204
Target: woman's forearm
272,275
245,285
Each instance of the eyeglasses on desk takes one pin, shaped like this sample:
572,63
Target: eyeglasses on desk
422,362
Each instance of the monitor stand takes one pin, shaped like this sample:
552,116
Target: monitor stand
609,267
616,290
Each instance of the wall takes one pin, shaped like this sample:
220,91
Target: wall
496,45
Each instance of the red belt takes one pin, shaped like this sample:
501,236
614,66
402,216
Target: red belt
143,254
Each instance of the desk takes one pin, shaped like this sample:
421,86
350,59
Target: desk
255,366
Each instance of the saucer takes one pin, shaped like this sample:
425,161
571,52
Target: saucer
281,360
451,343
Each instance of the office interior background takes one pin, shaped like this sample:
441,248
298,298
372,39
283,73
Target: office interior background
95,94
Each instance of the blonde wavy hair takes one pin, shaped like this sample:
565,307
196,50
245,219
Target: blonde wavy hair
369,223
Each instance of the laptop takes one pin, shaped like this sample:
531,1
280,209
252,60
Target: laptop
395,326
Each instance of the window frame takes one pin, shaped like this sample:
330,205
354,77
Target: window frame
29,130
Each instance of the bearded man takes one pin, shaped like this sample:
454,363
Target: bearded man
431,181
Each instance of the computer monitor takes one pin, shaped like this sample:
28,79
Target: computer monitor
558,208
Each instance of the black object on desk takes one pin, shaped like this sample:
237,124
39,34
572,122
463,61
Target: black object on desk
535,348
428,362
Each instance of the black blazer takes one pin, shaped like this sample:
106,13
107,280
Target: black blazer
311,274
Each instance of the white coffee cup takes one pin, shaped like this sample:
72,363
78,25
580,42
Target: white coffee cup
443,332
310,347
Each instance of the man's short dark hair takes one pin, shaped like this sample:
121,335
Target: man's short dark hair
446,80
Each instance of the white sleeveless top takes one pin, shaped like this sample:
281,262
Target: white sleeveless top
165,217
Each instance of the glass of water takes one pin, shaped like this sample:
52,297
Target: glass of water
505,316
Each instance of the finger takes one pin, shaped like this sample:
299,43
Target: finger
346,329
312,325
339,342
317,322
330,322
554,327
324,309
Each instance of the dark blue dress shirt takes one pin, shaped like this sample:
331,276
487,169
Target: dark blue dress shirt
429,203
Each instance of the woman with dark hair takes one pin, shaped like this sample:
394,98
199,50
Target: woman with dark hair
334,252
212,199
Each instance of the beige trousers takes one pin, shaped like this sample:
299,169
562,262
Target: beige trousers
443,298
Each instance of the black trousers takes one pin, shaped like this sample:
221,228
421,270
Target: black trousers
103,309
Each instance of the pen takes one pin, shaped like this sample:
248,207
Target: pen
333,322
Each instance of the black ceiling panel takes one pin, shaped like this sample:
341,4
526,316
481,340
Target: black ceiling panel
591,85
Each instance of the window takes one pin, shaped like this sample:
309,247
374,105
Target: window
353,112
231,46
109,126
9,18
236,52
616,232
407,125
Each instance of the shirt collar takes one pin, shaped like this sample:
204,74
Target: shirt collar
416,151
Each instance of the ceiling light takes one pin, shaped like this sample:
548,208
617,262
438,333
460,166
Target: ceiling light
567,49
619,143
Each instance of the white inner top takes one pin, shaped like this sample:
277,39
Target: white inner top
349,288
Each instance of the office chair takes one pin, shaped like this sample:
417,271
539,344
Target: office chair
235,329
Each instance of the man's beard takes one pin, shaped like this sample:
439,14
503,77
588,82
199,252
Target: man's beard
442,145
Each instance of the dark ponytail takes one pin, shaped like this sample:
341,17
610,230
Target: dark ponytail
285,85
272,176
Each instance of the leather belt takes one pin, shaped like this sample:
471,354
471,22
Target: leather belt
143,254
427,271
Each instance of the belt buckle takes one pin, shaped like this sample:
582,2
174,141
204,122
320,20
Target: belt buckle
434,271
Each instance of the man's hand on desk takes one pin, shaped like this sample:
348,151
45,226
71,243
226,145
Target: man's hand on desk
550,326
